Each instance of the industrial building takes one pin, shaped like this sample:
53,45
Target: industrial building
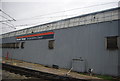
90,41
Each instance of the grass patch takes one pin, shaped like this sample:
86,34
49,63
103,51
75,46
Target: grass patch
105,77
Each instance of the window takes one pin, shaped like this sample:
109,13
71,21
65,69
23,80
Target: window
112,43
12,45
9,45
51,44
22,45
17,45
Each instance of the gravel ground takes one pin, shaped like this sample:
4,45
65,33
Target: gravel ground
9,75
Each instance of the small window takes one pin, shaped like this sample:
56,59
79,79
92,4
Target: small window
51,44
10,45
13,45
112,43
22,45
17,45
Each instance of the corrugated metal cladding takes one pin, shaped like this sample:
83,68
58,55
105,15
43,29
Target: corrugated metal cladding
81,47
119,47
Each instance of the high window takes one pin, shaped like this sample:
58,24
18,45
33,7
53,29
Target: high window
51,44
22,45
112,43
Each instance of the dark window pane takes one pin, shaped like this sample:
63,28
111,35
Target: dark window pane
112,43
51,44
22,44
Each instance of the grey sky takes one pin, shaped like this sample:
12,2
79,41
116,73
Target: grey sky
29,11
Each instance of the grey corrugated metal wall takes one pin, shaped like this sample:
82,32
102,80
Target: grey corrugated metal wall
119,46
87,41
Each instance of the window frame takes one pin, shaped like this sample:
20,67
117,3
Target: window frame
22,44
110,41
51,44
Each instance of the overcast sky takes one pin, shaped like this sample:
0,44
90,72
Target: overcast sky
34,12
